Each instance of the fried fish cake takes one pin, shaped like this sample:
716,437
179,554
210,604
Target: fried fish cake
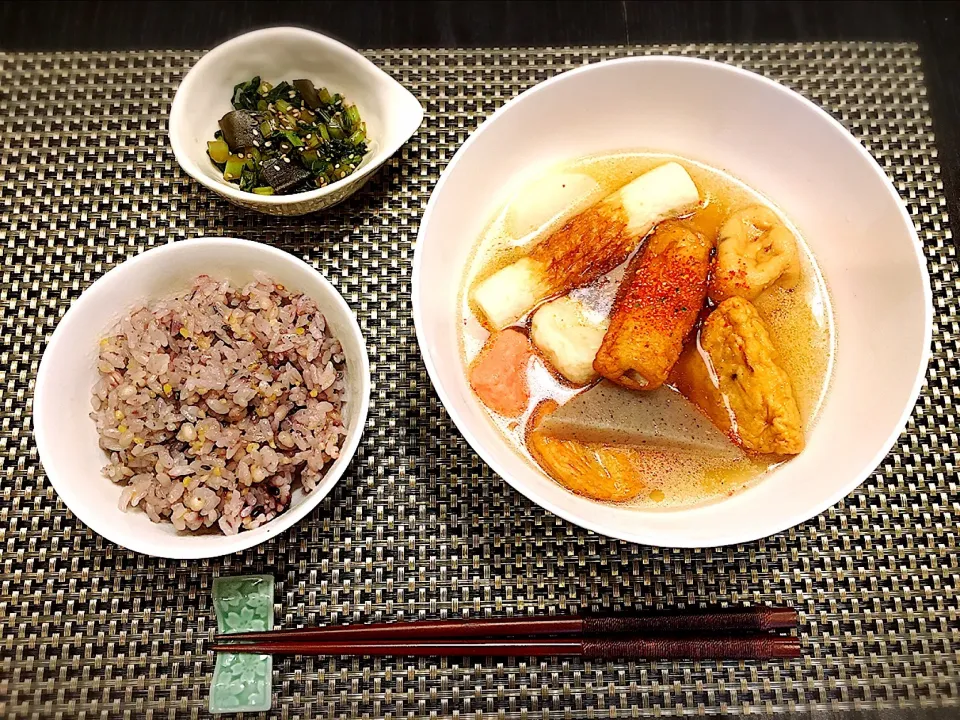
743,389
755,251
656,307
603,472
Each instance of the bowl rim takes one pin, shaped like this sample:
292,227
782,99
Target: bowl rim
767,524
241,540
177,143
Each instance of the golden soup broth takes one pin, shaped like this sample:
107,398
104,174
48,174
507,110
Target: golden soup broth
799,321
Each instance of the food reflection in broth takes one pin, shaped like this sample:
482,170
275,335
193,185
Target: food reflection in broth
676,283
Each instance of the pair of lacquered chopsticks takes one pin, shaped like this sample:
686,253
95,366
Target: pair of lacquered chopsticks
723,634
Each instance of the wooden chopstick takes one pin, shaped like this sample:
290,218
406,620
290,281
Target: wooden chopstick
758,619
746,647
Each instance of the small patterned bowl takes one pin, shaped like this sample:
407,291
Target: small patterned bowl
392,113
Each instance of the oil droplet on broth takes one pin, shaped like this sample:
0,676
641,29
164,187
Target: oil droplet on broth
799,320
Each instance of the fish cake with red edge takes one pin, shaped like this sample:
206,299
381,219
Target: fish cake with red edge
499,373
587,246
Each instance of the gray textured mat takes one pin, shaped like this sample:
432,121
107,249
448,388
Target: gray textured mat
420,527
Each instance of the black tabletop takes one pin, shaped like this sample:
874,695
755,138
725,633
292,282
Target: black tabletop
173,24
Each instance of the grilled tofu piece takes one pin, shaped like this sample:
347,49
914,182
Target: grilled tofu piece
736,379
656,307
586,247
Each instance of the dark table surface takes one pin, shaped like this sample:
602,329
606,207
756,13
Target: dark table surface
194,24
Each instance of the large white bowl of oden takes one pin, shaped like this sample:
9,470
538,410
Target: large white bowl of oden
698,318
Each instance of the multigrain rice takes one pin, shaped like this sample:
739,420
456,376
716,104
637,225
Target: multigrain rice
215,403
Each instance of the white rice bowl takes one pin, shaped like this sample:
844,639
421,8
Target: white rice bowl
70,445
213,403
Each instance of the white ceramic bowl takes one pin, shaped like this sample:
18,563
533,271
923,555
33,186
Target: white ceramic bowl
67,438
391,113
781,145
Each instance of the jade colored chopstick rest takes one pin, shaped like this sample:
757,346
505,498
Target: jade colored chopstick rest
242,682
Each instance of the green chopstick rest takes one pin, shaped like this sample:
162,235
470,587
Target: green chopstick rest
242,682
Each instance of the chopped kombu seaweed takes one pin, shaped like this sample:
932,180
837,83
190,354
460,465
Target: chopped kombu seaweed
287,138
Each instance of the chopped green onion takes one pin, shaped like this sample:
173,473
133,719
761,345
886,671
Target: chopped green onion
353,115
328,134
248,177
293,138
218,151
234,167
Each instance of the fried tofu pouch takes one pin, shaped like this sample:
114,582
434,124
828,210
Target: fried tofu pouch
588,246
745,393
656,307
755,251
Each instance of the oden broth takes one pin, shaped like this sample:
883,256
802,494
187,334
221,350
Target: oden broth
799,320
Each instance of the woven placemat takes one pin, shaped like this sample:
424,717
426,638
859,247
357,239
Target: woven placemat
419,527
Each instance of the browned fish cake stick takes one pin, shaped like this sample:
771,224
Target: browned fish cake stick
656,308
588,246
